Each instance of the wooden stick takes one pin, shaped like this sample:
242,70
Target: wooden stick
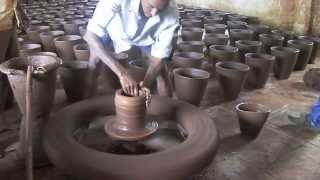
28,125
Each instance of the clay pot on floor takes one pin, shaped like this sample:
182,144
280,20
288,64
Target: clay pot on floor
73,77
138,69
216,39
286,34
260,67
123,58
43,85
231,76
47,39
191,23
81,51
34,33
316,46
194,46
215,28
269,40
258,29
240,34
82,30
238,18
237,25
190,84
191,34
28,49
219,53
187,59
72,27
64,45
213,20
305,48
286,59
246,46
251,118
56,26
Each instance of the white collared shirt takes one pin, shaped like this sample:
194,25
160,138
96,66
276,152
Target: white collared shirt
120,18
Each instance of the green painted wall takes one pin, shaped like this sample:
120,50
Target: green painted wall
293,15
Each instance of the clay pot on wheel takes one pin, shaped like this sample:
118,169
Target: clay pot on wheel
316,46
231,76
240,34
219,53
215,28
251,118
81,51
286,59
34,33
47,39
258,29
138,69
187,59
131,123
191,34
216,39
190,84
43,85
305,48
260,68
73,77
246,46
194,46
64,45
269,40
28,49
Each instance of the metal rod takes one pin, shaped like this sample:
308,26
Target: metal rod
28,125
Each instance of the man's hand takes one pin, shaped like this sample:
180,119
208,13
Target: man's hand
129,85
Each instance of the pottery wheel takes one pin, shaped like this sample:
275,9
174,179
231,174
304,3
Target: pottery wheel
151,127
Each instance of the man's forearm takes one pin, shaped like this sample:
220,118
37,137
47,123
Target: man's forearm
153,71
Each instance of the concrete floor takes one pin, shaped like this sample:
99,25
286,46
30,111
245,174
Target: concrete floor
284,150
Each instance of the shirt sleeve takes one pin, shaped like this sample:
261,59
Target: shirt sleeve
163,43
103,14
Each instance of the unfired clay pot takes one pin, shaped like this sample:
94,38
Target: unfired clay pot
286,59
215,28
216,39
138,69
187,59
258,29
269,40
240,34
231,76
190,84
316,46
194,46
237,18
28,49
237,25
47,39
191,34
251,118
213,20
64,45
223,53
305,48
260,67
81,51
191,23
246,46
73,77
34,33
286,34
72,27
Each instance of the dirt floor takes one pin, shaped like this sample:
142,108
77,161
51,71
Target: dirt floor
286,149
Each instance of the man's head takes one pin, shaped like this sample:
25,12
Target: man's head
153,7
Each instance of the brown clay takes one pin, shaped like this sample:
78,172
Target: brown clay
194,46
258,29
305,48
47,39
246,46
34,33
215,28
231,76
316,46
216,39
64,46
73,77
43,85
286,59
190,84
138,69
81,52
191,34
260,67
240,34
187,59
269,40
219,53
251,118
28,49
